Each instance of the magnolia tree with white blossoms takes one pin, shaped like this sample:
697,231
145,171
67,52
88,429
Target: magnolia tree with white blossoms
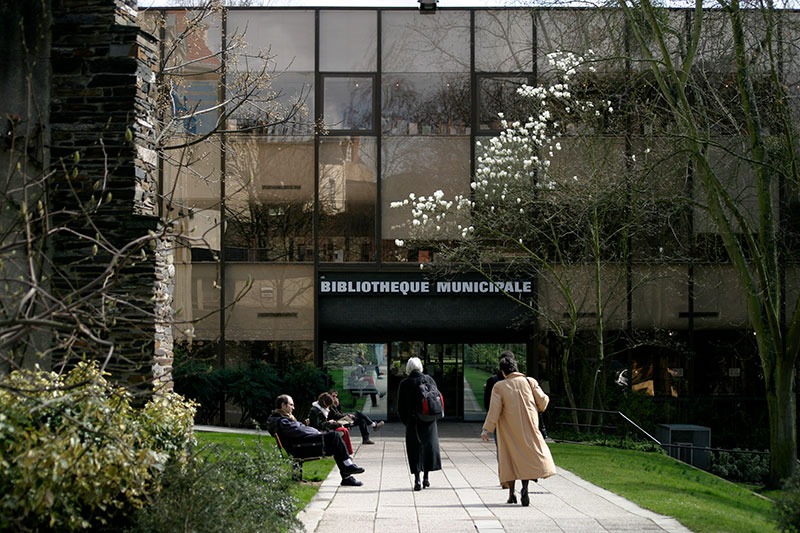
555,198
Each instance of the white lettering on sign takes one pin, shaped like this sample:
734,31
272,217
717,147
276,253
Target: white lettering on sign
424,287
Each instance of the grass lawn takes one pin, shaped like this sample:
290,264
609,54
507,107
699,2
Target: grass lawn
700,501
314,472
477,381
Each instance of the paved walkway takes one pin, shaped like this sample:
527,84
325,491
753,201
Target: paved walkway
465,495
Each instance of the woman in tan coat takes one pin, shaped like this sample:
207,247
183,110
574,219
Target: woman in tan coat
514,414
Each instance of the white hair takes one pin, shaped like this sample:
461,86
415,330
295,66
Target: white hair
413,364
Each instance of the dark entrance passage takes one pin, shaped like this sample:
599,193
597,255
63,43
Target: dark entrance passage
443,362
367,374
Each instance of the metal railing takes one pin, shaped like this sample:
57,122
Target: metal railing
648,436
601,426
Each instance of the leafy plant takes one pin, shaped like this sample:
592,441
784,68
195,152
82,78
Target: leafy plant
747,467
787,505
254,389
241,490
74,452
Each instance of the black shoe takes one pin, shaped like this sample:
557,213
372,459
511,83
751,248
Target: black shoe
425,483
348,470
524,498
512,499
417,485
367,441
350,481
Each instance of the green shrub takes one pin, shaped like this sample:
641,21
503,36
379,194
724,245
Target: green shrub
253,389
304,385
239,491
787,505
747,467
198,381
74,452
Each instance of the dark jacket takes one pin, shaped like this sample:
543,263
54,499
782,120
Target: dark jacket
316,419
422,438
298,439
487,389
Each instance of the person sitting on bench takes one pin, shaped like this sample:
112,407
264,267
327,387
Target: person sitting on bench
354,419
304,441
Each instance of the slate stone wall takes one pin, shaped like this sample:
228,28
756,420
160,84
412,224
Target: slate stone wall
110,255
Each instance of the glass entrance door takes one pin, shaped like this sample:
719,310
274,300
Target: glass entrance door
440,361
443,363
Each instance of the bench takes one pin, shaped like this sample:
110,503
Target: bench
297,462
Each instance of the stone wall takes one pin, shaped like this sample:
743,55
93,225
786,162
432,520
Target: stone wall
110,257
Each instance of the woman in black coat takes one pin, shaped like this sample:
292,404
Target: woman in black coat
422,438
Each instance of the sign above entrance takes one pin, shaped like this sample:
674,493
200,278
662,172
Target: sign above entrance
406,287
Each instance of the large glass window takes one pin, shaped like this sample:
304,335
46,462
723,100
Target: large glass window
348,192
414,43
718,302
359,376
504,41
480,363
600,30
420,165
347,103
270,302
271,71
498,94
425,104
660,297
195,81
269,198
197,301
358,51
286,38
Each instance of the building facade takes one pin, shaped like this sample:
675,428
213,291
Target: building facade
285,208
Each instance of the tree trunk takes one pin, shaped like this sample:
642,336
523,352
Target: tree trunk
567,386
782,416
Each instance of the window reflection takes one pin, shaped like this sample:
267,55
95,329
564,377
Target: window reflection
414,43
359,376
407,166
286,38
269,199
193,91
270,302
503,41
426,104
284,107
197,298
356,53
347,103
499,95
347,199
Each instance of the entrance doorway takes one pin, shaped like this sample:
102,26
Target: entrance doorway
368,375
443,362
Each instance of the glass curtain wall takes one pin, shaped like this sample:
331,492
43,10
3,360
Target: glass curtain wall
383,134
347,172
425,119
269,187
191,170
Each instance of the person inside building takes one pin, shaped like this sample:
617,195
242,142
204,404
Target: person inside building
305,441
422,438
318,419
514,414
359,419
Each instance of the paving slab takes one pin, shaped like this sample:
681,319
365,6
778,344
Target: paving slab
465,495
